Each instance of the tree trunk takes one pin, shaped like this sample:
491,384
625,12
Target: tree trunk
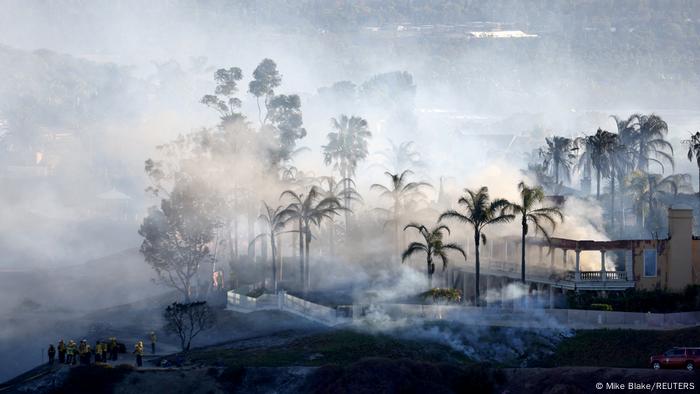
307,239
251,234
397,249
331,237
612,200
301,254
274,262
477,300
597,185
522,250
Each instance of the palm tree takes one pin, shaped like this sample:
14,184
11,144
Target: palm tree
347,146
480,211
595,154
399,190
530,198
308,210
558,157
620,163
693,144
275,221
403,155
649,143
434,247
650,189
330,188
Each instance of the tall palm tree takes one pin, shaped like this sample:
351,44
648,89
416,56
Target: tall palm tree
558,157
274,221
306,210
433,246
330,188
402,155
620,163
399,191
347,146
595,154
530,198
649,142
650,189
480,211
693,144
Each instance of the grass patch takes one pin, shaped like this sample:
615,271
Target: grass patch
334,347
618,348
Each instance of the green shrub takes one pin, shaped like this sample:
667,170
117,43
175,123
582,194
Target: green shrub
441,294
255,293
602,307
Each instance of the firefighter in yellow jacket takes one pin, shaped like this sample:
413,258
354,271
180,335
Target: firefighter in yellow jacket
98,352
71,349
82,349
138,351
61,352
113,348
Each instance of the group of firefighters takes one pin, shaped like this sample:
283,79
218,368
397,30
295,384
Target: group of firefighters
71,353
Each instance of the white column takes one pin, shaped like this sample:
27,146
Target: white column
565,251
577,276
602,265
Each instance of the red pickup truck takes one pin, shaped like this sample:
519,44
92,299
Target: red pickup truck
678,357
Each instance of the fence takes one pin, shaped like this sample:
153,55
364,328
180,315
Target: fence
286,302
518,317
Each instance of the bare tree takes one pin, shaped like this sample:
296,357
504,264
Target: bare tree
188,320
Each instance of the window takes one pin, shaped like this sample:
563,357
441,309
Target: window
675,352
649,262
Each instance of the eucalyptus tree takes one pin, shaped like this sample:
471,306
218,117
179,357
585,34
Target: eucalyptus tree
479,212
558,156
399,190
177,235
649,190
346,148
433,246
330,188
307,210
531,212
693,145
649,142
274,221
224,100
265,79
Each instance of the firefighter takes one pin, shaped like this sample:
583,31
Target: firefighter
113,348
153,339
81,352
88,353
138,351
70,351
52,354
61,352
98,352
